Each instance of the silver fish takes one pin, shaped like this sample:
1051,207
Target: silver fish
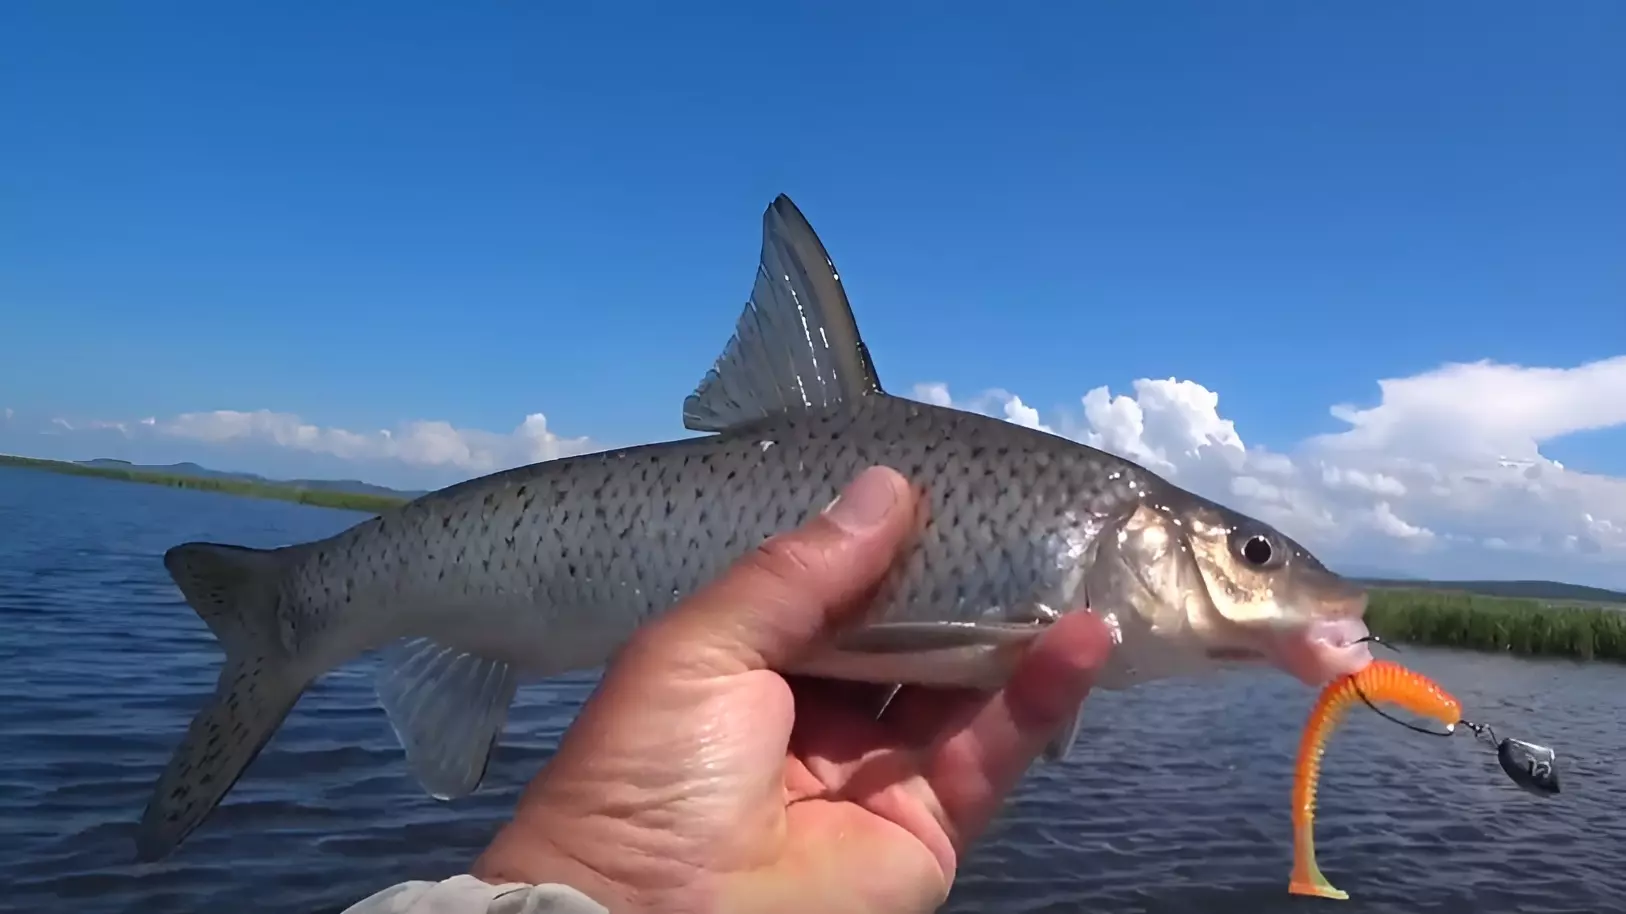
546,569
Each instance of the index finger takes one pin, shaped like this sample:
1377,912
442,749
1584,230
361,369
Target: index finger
976,767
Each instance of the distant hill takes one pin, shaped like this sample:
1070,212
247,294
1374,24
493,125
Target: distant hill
353,486
1549,591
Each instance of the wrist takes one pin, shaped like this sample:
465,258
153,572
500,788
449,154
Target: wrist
624,881
537,860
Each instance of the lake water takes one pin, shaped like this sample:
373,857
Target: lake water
1176,800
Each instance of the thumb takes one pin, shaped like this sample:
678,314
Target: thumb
791,590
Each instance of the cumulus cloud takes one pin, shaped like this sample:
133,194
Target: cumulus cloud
424,443
1444,475
1447,464
439,450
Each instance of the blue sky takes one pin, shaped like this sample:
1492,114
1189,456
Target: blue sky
371,214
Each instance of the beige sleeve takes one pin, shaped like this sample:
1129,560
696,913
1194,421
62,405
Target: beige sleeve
468,895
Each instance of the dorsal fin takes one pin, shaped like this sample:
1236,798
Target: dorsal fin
796,345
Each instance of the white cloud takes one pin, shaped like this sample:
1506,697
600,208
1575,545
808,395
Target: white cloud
1444,475
1447,465
447,451
1469,411
423,443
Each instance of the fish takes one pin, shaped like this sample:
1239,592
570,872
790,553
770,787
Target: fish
1379,681
533,572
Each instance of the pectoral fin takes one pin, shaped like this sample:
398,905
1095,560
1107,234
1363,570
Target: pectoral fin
979,655
912,637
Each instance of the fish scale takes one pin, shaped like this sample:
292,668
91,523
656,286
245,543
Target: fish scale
612,539
547,569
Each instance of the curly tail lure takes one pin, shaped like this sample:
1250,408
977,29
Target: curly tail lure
1530,766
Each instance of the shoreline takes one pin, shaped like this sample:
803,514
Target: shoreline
319,498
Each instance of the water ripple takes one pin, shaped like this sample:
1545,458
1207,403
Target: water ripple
1176,800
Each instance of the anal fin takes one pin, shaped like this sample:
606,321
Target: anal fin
447,708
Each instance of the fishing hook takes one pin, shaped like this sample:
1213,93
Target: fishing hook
1531,766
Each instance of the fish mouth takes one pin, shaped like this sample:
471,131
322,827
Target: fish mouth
1325,650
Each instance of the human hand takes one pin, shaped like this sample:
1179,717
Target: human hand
697,779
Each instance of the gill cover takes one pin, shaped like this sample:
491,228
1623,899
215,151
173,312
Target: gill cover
1146,585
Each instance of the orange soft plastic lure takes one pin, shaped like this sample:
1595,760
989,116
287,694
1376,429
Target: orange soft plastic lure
1380,681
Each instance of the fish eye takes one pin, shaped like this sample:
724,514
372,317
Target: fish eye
1257,550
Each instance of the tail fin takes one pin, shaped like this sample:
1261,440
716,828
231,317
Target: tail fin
234,590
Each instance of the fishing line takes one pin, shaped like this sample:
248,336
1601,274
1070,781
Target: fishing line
1374,639
1528,764
1478,729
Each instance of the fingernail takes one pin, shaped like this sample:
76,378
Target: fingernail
864,503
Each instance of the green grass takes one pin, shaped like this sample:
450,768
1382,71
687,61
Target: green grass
323,498
1552,593
1484,623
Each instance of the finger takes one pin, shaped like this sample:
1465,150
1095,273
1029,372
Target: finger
981,761
865,698
834,727
787,593
920,715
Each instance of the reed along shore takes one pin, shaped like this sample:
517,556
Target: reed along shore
1484,623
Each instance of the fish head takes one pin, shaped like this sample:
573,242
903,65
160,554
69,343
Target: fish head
1224,589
